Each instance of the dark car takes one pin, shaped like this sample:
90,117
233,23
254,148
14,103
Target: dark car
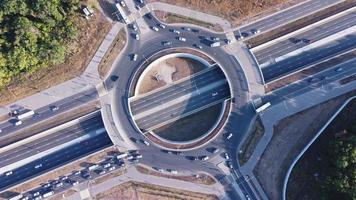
307,41
294,40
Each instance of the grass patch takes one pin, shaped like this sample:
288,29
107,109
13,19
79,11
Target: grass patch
299,23
192,126
202,179
171,18
251,141
114,50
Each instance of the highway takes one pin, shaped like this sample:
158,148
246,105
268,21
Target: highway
285,16
45,112
140,104
52,140
181,109
291,64
55,159
316,33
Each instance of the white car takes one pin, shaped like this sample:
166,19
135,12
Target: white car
146,143
8,173
176,31
134,57
204,158
226,156
182,39
229,136
38,166
173,171
161,25
122,3
214,94
154,28
137,37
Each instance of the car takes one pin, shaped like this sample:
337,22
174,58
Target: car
122,3
137,36
73,182
215,150
111,168
134,160
191,157
226,156
138,155
100,172
137,7
228,41
148,16
38,166
248,197
62,178
214,94
161,25
53,108
229,136
294,40
133,139
86,175
106,165
129,157
175,31
76,173
178,153
339,69
172,171
46,185
307,41
229,164
134,27
145,142
58,185
8,173
182,39
255,31
239,37
134,57
167,43
154,28
204,158
198,46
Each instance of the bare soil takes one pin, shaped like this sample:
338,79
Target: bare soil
192,126
113,51
143,191
251,141
290,136
169,71
300,23
303,184
309,71
237,12
79,53
54,174
171,18
202,179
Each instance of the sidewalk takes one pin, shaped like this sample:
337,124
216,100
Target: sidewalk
87,80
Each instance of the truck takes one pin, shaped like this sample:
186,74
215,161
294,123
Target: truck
48,194
215,44
92,167
121,155
122,13
25,114
263,107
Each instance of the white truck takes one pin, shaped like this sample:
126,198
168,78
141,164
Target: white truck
26,114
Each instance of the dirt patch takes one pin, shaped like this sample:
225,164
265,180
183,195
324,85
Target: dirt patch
192,126
54,174
300,23
309,173
251,141
201,179
197,143
49,123
172,18
143,191
309,71
109,176
113,51
167,72
290,136
237,12
65,194
90,35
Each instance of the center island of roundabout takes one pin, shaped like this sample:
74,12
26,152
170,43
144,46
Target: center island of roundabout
179,99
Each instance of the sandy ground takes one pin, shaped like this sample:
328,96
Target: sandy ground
143,191
79,53
167,72
290,136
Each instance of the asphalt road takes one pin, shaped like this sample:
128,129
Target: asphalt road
280,18
55,159
297,62
283,47
45,143
45,112
174,91
184,108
